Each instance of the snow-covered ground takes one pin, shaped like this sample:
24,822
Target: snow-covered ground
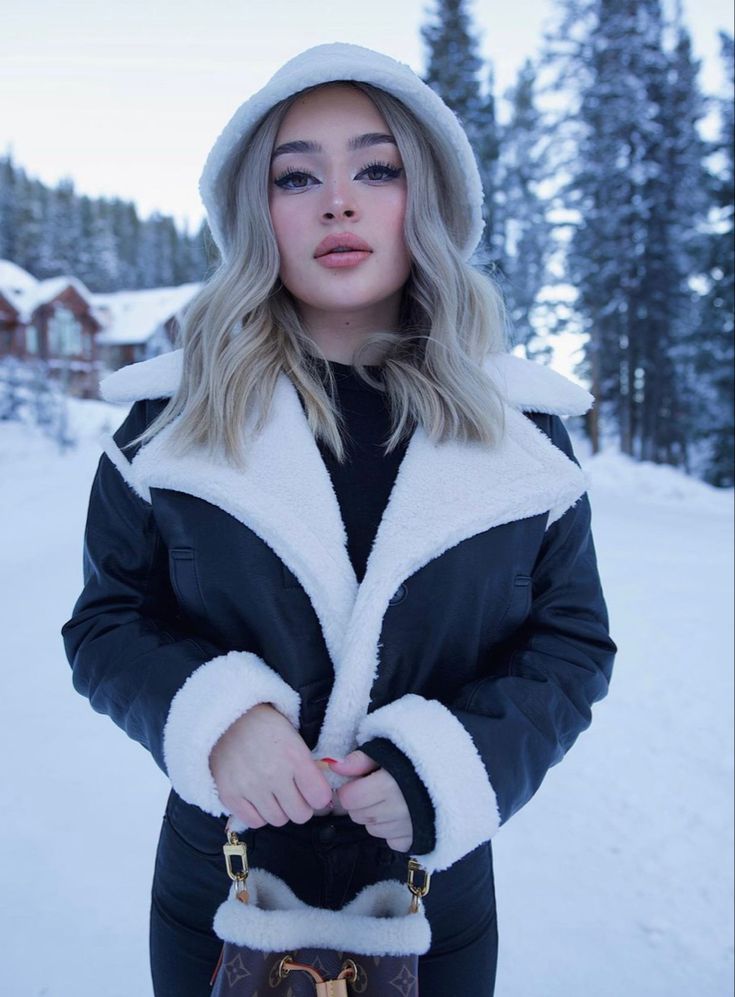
616,879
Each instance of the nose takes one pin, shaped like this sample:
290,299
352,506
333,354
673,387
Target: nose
340,201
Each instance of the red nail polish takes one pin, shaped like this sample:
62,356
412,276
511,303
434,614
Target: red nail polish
329,761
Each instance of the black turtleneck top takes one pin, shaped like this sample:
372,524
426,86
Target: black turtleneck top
364,481
362,485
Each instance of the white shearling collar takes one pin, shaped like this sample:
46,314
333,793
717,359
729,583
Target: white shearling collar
525,384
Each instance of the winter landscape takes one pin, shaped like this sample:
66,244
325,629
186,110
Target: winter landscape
607,166
615,879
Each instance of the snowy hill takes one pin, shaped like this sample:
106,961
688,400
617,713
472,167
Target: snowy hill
615,879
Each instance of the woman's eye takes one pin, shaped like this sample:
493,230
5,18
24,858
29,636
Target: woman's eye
284,178
385,168
295,179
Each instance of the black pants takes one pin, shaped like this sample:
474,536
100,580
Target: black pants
326,862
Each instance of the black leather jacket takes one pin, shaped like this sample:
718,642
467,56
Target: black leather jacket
466,662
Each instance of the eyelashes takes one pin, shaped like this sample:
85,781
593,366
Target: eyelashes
283,180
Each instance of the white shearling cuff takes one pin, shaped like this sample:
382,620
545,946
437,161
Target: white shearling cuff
448,763
210,700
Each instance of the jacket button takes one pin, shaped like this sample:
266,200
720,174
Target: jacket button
327,834
398,596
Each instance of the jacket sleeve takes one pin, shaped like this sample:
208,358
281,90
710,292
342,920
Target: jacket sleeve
483,755
130,649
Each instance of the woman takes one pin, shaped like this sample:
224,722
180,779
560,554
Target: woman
342,521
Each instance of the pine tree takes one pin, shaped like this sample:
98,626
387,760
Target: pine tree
126,226
102,241
636,189
716,357
602,194
684,205
525,228
7,201
63,236
453,71
27,222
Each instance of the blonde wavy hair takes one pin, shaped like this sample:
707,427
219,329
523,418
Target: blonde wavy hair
242,329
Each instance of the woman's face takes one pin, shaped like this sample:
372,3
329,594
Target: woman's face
333,189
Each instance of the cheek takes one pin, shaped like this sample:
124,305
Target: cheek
394,221
281,222
288,219
291,236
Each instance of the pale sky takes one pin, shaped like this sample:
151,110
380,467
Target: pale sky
127,98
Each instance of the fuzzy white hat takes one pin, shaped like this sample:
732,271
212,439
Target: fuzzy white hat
341,61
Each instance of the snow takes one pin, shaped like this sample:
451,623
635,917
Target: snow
26,293
127,316
133,316
615,879
15,278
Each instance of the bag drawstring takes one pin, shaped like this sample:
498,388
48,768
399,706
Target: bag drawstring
323,988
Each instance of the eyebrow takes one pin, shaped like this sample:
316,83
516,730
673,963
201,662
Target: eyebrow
357,142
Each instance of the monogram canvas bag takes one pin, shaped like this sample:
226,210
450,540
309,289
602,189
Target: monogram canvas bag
277,945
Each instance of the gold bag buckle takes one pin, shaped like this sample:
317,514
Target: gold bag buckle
417,892
236,849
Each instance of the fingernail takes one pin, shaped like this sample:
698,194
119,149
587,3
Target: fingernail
326,763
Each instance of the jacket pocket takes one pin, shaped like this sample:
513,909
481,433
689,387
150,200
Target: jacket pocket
519,605
185,580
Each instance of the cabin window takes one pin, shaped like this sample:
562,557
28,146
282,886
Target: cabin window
64,333
31,339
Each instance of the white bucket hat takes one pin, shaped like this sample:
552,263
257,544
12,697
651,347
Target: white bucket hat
341,61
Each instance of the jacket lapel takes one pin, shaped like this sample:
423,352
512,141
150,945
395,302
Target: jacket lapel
442,495
284,495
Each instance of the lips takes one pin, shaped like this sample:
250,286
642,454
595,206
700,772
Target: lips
344,241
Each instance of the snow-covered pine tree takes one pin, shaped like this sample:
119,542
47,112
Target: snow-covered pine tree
633,246
53,231
103,244
453,70
63,229
663,316
715,358
673,409
522,211
126,226
589,53
7,202
157,251
27,214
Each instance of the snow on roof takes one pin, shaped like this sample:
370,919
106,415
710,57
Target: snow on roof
15,284
26,293
47,290
126,316
15,277
133,316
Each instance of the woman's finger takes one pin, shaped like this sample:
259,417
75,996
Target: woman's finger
271,809
293,804
374,814
248,814
386,829
312,785
399,844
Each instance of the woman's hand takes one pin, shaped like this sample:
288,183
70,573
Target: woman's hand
265,773
374,800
